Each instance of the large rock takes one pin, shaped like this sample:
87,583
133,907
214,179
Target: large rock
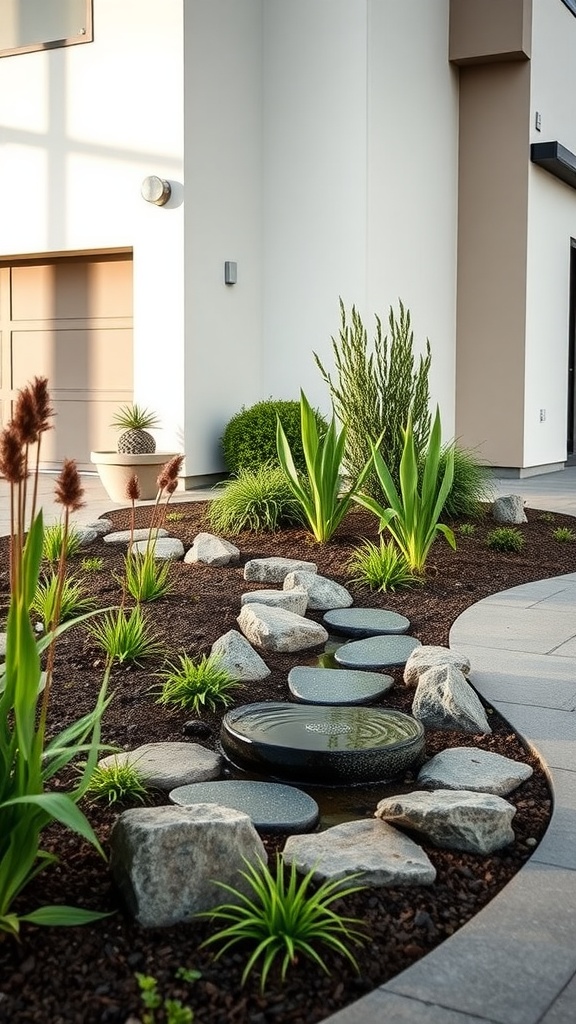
275,629
165,549
509,509
164,859
425,657
473,822
444,699
101,526
167,765
124,536
239,658
382,854
274,570
212,550
323,594
478,771
292,600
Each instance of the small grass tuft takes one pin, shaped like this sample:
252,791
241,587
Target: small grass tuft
125,636
467,529
118,783
92,564
564,533
381,568
196,685
53,542
72,601
506,539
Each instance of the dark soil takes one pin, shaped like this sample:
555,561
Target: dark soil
86,975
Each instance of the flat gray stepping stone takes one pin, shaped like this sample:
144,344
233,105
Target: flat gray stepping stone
365,622
123,536
170,764
336,686
269,805
479,771
376,651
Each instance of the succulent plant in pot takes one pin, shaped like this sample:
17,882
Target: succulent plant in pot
135,421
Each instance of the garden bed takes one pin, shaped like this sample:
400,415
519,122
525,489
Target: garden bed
87,974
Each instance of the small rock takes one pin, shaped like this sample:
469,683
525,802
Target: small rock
166,549
274,570
479,771
277,630
444,699
509,509
239,658
323,594
473,822
124,536
292,600
212,550
427,656
201,730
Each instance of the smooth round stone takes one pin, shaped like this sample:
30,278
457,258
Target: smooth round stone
376,651
365,622
336,686
270,805
322,744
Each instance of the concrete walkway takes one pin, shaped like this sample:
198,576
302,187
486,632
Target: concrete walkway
515,962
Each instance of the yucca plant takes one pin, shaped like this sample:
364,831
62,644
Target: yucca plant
411,515
321,500
380,568
285,918
197,685
69,595
135,421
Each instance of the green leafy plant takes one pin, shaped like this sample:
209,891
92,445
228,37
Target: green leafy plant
412,514
93,564
118,783
28,761
66,597
56,539
320,498
146,578
563,533
467,529
285,918
135,417
172,1010
257,499
546,517
380,568
471,487
125,636
197,685
174,517
505,538
375,389
249,439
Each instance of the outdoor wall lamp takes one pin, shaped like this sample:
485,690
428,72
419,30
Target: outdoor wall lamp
156,190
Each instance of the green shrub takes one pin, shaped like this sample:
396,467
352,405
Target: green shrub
257,499
380,568
505,538
125,636
197,685
471,486
53,606
119,782
375,390
55,538
92,564
285,918
467,529
564,533
249,440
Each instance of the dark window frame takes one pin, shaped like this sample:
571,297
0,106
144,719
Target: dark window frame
571,5
53,44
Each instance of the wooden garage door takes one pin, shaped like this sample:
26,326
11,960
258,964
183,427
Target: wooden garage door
70,320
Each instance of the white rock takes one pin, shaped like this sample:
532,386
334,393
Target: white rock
3,644
84,535
444,699
166,549
165,859
509,509
212,550
323,594
473,822
275,629
239,658
123,536
478,771
274,570
101,526
167,765
292,600
380,852
425,657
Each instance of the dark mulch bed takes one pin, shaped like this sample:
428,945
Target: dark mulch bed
86,975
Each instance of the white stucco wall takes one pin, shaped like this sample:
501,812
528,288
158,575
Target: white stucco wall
80,128
551,225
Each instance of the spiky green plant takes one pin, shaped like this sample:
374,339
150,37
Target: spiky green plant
505,538
374,389
285,918
382,567
125,636
118,782
67,600
195,685
56,538
467,529
146,578
257,499
564,534
92,564
471,483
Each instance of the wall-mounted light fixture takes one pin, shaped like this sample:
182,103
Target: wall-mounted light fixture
156,190
230,272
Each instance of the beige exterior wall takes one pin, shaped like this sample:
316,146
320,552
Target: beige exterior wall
483,31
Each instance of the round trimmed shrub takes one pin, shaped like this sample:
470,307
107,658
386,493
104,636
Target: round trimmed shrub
249,440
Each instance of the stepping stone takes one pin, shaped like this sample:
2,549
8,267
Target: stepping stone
274,570
336,686
479,771
166,549
365,622
123,536
376,651
166,765
269,805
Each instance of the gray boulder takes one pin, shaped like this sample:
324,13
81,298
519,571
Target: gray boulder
292,600
167,765
275,629
212,550
85,535
274,570
427,656
100,526
123,536
478,771
239,658
444,699
164,860
509,509
473,822
166,549
323,594
382,854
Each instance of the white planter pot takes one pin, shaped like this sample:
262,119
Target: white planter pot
115,470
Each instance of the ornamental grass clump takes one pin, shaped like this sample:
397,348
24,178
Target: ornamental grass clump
196,685
28,760
70,596
505,538
119,782
285,918
125,636
564,534
380,568
56,539
412,513
259,499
